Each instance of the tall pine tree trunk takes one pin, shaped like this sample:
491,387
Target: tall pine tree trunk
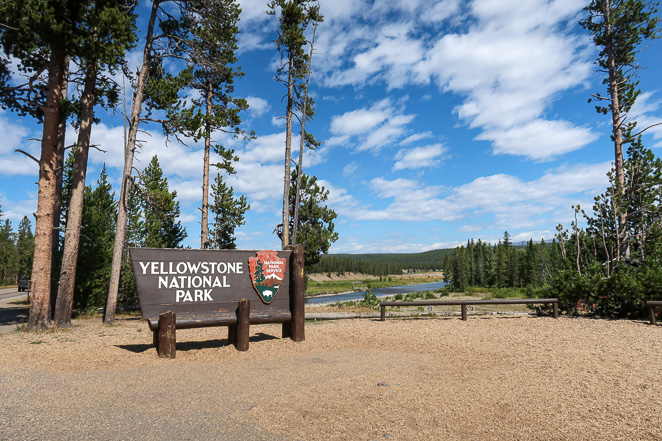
43,248
65,293
129,150
297,197
57,206
204,234
288,153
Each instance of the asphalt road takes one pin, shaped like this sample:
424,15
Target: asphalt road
9,294
12,315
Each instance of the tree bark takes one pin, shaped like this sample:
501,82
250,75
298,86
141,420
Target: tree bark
59,170
288,153
205,174
129,150
43,247
65,292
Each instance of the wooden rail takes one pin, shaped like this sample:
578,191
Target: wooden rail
651,305
465,303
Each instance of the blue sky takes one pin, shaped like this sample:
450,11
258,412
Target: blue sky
441,121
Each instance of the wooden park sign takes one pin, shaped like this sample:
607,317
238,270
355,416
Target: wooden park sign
181,289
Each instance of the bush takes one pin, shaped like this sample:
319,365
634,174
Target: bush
369,299
622,295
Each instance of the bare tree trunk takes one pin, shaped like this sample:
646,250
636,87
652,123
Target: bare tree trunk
623,250
129,150
288,154
65,292
59,170
297,198
205,175
43,239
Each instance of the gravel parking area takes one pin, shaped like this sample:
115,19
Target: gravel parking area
499,378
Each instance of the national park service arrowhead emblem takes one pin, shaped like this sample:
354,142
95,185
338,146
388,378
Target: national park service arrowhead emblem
267,273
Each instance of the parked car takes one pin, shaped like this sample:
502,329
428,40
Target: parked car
24,284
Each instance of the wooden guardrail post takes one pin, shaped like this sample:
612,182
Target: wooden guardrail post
555,310
464,312
242,329
383,312
167,341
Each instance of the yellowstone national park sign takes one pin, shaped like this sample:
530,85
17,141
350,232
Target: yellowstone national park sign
200,281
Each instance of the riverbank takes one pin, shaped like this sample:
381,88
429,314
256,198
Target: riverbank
492,378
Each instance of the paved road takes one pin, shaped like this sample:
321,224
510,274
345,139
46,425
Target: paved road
9,294
12,315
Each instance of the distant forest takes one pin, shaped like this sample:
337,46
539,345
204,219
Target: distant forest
382,264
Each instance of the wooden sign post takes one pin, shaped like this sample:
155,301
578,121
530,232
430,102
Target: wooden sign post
181,289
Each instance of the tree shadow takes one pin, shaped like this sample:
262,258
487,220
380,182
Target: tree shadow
13,316
197,345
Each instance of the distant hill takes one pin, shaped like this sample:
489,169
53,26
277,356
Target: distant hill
380,264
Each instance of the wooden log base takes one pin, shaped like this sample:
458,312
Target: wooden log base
242,328
167,342
651,305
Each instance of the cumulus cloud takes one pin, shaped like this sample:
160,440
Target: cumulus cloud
508,200
257,106
374,127
420,157
508,64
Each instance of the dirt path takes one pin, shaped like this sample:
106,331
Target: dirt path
420,379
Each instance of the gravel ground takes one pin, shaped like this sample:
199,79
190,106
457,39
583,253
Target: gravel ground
498,378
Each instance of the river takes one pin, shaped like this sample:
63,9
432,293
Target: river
379,292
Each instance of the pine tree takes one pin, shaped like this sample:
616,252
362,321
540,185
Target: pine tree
25,247
619,27
316,228
206,32
294,18
41,35
8,256
96,245
161,210
109,32
227,214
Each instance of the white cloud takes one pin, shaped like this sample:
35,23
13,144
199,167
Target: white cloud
374,127
416,137
539,139
257,106
646,112
507,200
509,65
363,120
420,157
15,136
350,169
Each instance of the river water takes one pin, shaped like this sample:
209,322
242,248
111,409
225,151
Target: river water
379,292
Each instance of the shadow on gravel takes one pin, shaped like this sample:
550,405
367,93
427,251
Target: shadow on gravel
13,315
197,345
